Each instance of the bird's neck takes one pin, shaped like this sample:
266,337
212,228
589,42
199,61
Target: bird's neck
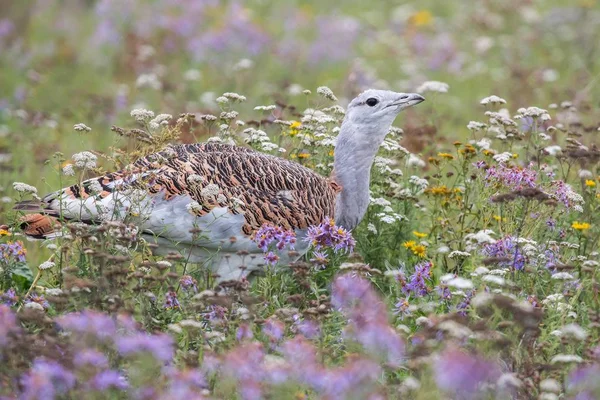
353,157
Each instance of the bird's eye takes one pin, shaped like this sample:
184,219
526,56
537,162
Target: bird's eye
372,101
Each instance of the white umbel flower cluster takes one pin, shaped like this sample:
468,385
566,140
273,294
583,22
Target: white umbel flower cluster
85,159
493,99
327,93
433,86
82,128
24,188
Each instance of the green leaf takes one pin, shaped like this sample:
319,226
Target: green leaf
21,276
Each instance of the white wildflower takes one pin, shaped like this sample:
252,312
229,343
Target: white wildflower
194,207
380,201
509,380
210,190
222,100
493,99
547,396
566,359
164,264
460,283
493,279
533,112
483,144
24,188
95,187
443,249
68,170
459,254
148,81
294,89
475,126
142,115
190,323
192,75
46,265
480,271
327,93
433,86
482,299
234,97
585,174
562,276
415,161
85,159
82,128
265,108
423,321
499,272
502,157
550,385
34,306
243,64
53,291
371,228
553,150
574,331
483,236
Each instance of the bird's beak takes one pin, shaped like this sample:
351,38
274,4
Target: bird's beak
406,100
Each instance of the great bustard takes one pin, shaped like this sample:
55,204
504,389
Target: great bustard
227,192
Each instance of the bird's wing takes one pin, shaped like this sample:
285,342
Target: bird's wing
228,190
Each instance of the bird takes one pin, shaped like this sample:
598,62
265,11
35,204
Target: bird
228,192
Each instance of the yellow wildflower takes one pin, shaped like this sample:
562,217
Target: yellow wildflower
421,18
295,128
303,154
331,153
419,250
446,155
515,155
590,183
4,232
497,218
419,234
409,244
580,226
488,152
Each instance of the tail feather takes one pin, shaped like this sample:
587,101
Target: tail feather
40,226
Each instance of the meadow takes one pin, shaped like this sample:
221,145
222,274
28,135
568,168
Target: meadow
474,274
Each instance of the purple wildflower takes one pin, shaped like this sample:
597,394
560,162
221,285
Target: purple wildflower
319,258
171,301
465,303
462,373
90,357
8,324
551,224
244,332
271,258
269,234
564,193
9,297
307,327
185,384
94,323
416,284
583,382
108,379
402,308
46,380
188,283
159,345
444,292
327,234
39,299
514,178
506,248
273,329
367,315
12,252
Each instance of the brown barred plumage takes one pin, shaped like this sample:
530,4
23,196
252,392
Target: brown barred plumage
262,187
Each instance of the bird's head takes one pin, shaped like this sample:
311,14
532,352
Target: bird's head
379,107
